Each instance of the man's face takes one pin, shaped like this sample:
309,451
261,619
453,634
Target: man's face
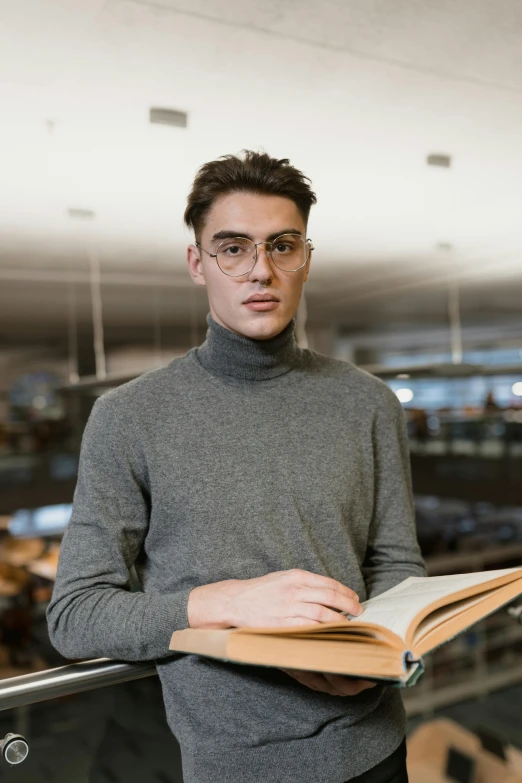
257,217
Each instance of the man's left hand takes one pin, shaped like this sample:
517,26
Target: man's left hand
334,684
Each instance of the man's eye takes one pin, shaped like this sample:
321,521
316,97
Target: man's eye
232,250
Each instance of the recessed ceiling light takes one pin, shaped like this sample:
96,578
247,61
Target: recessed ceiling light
403,376
438,159
404,395
174,117
81,214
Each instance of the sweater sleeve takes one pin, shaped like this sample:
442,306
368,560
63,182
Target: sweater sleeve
93,612
392,553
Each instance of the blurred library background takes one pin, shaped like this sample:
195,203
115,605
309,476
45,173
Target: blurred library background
407,117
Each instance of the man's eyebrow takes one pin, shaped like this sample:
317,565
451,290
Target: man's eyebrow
284,231
231,234
226,234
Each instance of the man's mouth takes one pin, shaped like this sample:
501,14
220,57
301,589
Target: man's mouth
261,298
261,302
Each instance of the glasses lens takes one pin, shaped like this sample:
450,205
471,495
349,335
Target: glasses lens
290,252
236,256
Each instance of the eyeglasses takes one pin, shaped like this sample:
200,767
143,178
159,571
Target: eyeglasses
238,256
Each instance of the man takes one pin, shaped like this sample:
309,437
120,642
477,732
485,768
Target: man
251,483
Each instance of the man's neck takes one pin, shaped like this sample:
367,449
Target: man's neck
226,353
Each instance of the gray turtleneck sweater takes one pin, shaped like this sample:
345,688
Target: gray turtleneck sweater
242,458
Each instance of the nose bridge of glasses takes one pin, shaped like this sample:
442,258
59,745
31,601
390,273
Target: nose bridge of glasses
267,247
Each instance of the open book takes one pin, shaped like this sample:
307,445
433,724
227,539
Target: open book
385,643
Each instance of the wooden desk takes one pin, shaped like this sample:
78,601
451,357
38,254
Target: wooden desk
47,565
20,551
428,749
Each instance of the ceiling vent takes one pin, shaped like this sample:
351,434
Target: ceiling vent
169,117
443,161
80,214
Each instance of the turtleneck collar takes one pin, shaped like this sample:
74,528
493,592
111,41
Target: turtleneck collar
227,353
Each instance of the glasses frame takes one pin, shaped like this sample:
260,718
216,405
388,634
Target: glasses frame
306,242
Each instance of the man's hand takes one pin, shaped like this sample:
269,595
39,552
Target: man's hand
334,684
282,598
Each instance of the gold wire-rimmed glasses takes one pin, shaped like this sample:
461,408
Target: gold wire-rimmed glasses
237,256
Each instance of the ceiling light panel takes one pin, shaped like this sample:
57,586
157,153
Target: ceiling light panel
173,117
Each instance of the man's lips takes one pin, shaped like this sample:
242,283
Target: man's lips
261,303
261,298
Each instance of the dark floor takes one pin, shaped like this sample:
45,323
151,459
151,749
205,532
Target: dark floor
92,737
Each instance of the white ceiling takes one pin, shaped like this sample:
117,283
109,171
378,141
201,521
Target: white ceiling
356,92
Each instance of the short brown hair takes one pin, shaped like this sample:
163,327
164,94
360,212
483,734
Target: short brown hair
250,172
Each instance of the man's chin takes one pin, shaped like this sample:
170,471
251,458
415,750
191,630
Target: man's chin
258,326
265,327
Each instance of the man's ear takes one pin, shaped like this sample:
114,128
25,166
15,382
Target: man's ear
195,265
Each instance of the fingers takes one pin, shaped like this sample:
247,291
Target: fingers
309,579
317,596
317,613
328,597
314,680
334,684
311,682
346,686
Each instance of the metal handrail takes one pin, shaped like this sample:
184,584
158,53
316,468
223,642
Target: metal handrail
88,675
69,679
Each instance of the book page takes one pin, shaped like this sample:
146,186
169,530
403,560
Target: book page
397,608
439,615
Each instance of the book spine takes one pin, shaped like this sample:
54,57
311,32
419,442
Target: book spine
408,657
417,674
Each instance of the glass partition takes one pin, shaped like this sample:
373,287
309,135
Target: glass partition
114,734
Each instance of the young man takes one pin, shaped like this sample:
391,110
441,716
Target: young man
251,483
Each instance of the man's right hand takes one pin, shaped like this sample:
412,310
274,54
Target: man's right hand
282,598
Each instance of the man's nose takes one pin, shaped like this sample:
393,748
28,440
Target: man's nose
263,268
